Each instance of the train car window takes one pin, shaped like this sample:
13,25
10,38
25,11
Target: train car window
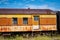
25,20
36,18
15,21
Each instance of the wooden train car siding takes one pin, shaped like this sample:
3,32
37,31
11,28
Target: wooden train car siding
15,28
15,16
48,27
48,22
51,21
20,20
5,21
48,16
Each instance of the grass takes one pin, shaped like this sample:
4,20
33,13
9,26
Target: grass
31,38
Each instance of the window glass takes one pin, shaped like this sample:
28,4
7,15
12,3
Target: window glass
25,20
36,18
14,20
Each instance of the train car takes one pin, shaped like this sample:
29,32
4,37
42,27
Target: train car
27,20
58,21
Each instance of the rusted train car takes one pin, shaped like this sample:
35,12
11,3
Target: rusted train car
27,20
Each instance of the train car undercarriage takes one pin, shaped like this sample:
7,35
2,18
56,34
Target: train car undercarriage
29,33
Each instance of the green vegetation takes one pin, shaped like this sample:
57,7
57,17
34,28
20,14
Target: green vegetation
31,38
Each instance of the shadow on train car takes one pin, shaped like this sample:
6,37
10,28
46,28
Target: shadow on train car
58,21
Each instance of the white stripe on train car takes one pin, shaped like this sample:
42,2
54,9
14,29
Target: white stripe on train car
16,28
35,27
48,27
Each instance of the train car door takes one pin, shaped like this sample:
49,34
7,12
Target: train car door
35,22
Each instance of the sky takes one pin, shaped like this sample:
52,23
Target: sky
32,4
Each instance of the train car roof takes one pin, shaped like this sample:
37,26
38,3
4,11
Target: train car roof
25,11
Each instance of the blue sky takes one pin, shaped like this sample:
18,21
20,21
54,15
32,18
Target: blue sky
33,4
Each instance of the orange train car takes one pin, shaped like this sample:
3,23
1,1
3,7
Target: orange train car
24,20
